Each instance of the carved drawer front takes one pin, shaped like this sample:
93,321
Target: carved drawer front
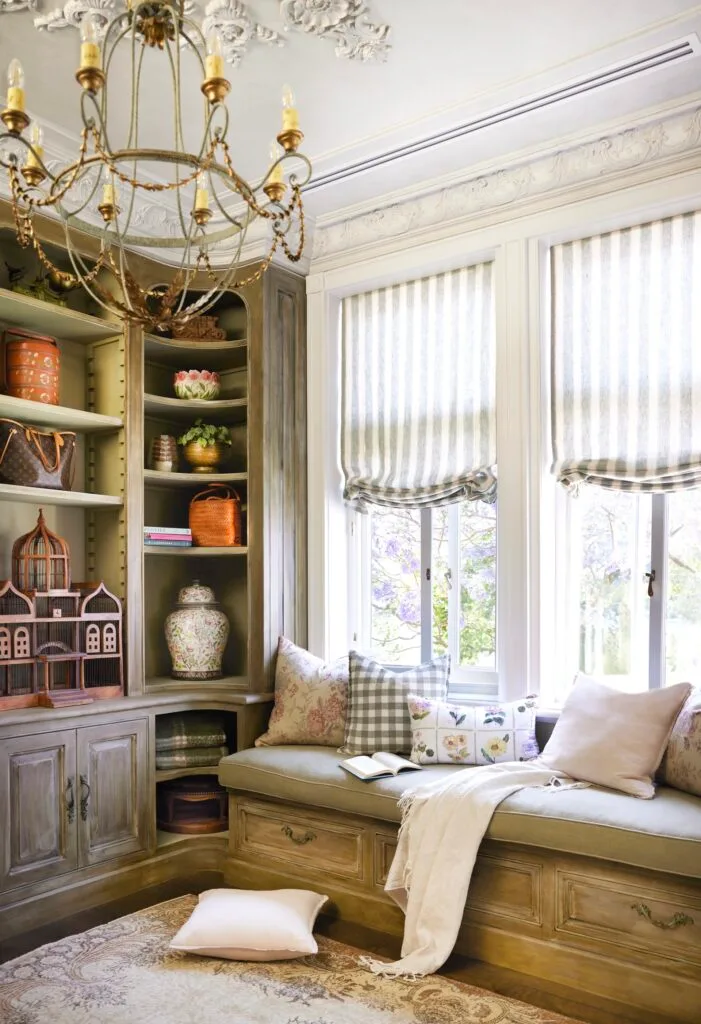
384,848
654,921
507,888
310,842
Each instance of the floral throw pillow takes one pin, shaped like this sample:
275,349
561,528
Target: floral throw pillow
445,733
681,766
311,698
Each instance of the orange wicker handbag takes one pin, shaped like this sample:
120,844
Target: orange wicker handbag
215,518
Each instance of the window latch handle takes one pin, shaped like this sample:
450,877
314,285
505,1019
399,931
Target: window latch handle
650,577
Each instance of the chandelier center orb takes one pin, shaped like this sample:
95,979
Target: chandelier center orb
98,193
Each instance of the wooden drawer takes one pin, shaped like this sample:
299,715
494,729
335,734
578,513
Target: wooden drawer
503,887
383,849
654,921
301,840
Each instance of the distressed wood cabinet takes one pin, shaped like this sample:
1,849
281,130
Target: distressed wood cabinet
69,799
37,808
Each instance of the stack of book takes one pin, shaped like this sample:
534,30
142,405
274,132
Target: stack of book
167,536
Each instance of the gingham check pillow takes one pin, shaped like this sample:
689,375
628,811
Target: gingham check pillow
378,717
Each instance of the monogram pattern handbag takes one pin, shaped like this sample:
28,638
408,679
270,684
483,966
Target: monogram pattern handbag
30,457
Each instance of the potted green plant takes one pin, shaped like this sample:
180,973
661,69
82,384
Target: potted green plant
204,444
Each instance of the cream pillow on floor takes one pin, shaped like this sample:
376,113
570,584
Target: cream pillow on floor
251,924
611,738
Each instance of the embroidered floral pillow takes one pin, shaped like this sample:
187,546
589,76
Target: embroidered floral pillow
681,766
444,733
311,698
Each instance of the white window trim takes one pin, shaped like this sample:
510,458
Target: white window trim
527,612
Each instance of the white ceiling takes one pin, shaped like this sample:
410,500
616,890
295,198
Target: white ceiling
450,62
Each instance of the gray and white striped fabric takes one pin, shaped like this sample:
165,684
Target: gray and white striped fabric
418,425
626,357
378,714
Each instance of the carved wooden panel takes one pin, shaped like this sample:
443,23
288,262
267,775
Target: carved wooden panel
112,800
625,914
384,848
504,887
310,842
37,808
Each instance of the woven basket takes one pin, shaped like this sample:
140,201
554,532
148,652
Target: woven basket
215,518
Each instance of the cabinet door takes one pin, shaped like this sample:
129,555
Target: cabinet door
38,808
113,791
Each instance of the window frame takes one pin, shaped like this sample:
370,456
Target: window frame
463,681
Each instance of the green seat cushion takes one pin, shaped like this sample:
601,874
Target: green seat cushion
662,834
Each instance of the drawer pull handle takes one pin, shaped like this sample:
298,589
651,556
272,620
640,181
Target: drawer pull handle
677,921
70,801
84,798
302,840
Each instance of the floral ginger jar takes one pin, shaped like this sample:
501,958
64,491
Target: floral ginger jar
196,634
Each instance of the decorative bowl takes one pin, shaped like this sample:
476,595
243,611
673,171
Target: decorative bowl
202,384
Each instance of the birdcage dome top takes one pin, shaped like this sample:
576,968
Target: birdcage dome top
41,560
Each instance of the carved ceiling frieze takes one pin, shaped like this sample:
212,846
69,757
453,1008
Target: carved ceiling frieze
348,24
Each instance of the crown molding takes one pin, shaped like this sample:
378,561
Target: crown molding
651,144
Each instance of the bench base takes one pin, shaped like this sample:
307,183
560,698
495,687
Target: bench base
625,934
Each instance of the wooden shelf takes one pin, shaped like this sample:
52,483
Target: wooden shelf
193,552
166,774
169,838
60,417
216,355
221,410
156,478
229,684
57,321
48,496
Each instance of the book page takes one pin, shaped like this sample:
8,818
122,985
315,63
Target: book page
393,761
365,765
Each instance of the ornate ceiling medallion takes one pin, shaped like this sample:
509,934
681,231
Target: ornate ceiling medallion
347,23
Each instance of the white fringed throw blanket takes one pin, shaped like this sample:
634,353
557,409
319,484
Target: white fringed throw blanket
442,827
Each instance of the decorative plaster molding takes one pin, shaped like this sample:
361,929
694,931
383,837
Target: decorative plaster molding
8,6
345,22
233,20
660,140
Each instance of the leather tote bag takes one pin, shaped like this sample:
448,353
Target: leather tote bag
30,457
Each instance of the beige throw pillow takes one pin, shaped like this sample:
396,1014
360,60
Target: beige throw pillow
611,738
251,924
311,698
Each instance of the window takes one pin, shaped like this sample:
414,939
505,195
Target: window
418,453
428,587
626,429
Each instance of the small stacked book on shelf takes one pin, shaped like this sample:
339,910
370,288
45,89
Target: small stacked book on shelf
376,766
168,536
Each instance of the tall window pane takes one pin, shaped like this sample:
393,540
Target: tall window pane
478,584
614,553
683,621
395,578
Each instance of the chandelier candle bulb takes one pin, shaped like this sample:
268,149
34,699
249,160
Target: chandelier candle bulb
202,193
275,177
89,47
214,61
109,194
15,86
290,115
37,140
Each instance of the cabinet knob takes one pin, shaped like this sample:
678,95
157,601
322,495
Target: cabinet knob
70,800
84,798
299,840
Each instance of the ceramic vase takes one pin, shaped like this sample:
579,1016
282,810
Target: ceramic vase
196,634
164,453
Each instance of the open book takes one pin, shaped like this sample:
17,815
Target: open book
376,766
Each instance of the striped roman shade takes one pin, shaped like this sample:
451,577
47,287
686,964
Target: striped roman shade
626,357
418,391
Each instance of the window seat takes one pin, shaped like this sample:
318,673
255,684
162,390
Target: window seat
584,883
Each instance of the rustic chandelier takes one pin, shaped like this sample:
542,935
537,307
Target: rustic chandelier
97,193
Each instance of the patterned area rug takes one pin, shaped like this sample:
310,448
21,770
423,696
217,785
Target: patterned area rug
124,973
